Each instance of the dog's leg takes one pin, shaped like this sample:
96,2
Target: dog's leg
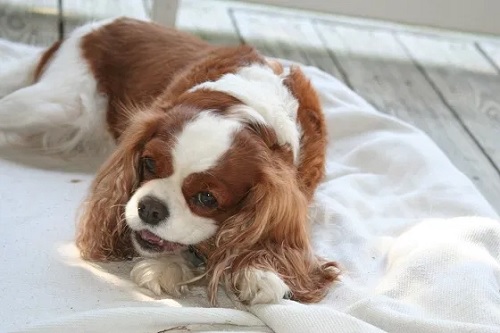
17,66
255,286
36,108
61,112
17,74
57,116
13,50
164,274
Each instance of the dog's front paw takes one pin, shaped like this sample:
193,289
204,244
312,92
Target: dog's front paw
255,286
164,274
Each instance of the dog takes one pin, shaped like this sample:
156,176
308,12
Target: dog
217,150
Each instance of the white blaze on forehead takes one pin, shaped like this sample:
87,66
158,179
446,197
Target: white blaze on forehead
202,142
267,99
199,145
182,225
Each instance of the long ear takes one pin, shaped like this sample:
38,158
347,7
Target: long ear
102,233
314,134
272,234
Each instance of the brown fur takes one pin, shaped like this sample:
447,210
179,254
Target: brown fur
102,233
275,65
230,180
250,239
166,65
207,100
132,78
271,233
263,220
313,140
220,61
134,61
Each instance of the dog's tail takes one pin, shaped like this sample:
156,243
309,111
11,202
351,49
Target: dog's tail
18,63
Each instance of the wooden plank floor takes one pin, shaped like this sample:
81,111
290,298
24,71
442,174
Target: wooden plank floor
445,83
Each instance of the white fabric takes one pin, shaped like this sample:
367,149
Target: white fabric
383,212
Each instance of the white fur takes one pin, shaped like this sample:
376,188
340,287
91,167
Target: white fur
198,148
269,101
256,286
164,274
202,143
182,226
61,112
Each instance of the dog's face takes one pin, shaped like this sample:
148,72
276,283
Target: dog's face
194,171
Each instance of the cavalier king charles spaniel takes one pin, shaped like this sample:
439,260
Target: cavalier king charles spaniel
217,153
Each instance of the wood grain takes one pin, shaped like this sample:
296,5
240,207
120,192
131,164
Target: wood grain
491,50
78,12
288,37
208,19
164,12
467,81
381,71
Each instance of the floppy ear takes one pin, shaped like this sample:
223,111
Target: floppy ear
102,233
271,233
310,116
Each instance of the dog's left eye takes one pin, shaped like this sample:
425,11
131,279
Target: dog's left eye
149,164
205,199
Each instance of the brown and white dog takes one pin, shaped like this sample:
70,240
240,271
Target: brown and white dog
217,148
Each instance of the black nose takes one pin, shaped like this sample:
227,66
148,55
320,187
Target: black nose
152,210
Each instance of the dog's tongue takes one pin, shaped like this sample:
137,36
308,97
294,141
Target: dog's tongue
153,239
150,237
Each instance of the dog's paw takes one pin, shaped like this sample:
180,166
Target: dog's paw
255,286
162,275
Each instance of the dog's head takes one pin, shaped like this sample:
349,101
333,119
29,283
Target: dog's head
196,169
208,169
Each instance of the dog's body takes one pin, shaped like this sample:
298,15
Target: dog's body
218,148
92,80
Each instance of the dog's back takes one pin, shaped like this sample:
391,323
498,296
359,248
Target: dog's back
65,97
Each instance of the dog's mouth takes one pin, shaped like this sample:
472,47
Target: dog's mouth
151,242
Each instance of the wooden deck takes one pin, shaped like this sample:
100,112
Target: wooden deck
445,83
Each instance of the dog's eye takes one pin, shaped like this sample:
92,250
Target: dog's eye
149,164
205,199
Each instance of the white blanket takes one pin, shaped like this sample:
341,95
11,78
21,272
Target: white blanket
385,211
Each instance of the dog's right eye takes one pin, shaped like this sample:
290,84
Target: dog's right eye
205,200
149,165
